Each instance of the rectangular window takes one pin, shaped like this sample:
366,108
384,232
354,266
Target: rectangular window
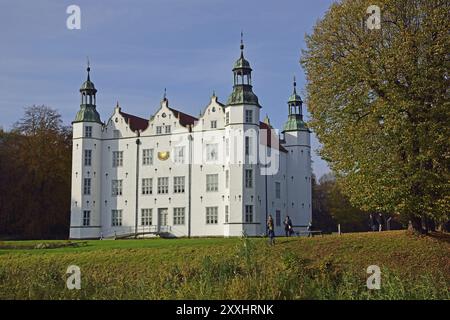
146,217
212,152
116,188
227,179
248,146
163,185
116,134
87,186
158,129
178,216
86,218
248,178
277,190
168,130
249,116
213,124
88,158
178,155
212,215
227,147
147,157
227,118
88,132
212,182
278,218
248,213
117,158
116,218
227,214
178,184
147,186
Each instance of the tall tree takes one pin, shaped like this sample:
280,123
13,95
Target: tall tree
379,104
35,166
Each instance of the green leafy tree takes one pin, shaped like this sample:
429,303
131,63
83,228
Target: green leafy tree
379,104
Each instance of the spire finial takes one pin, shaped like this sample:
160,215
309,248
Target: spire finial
88,69
165,94
295,85
242,43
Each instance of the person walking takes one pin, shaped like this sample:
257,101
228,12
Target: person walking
373,222
380,221
287,226
271,232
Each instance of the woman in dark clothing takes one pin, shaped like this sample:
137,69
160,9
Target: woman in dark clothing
270,229
287,226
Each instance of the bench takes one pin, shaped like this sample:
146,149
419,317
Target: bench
310,233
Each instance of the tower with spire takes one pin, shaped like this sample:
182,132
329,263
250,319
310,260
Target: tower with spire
86,165
297,142
242,129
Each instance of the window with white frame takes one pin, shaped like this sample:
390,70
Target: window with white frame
88,132
88,158
178,216
227,179
248,146
227,214
147,157
116,134
212,152
117,160
227,147
278,218
178,184
248,178
248,213
87,186
86,218
158,129
227,118
277,190
212,182
168,129
116,188
179,155
163,185
146,217
116,218
212,216
147,186
213,124
249,116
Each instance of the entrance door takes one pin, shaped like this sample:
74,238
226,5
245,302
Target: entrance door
162,218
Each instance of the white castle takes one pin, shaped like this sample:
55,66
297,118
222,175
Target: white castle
221,174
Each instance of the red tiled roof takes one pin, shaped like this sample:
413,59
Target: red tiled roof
266,139
185,119
135,123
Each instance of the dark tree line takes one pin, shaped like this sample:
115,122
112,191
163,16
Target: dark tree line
35,173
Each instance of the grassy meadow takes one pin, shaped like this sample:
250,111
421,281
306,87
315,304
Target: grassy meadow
329,267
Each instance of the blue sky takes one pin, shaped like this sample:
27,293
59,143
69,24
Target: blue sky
137,48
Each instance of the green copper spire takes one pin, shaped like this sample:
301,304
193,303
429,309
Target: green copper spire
242,89
295,118
88,111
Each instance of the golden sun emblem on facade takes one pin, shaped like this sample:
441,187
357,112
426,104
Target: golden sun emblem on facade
163,155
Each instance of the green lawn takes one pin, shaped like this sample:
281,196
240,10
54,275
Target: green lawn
329,267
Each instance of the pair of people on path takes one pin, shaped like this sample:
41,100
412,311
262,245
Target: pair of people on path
271,229
376,222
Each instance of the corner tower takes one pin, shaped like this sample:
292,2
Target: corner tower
242,131
298,175
85,218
